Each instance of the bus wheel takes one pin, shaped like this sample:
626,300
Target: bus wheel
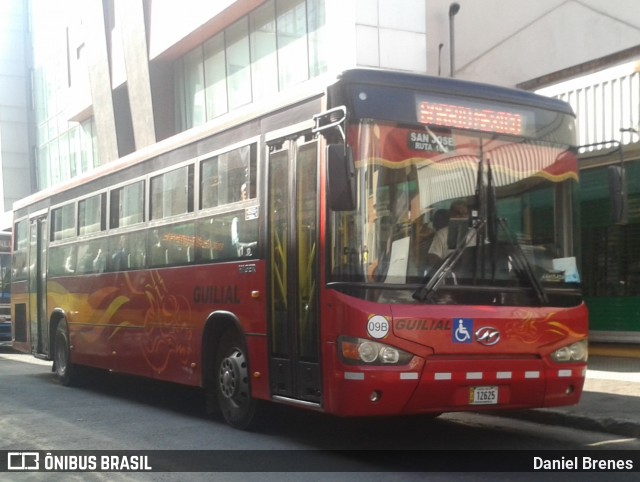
65,370
232,382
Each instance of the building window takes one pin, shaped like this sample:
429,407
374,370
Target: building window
194,111
293,58
280,44
238,64
264,59
215,75
65,148
317,37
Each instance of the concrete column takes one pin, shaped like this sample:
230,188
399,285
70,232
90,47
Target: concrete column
100,80
130,17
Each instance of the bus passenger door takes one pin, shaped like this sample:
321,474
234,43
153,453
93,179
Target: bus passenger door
38,286
293,268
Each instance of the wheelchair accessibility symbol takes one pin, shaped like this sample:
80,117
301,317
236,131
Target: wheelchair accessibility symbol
463,327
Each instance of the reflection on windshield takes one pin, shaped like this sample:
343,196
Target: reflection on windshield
422,191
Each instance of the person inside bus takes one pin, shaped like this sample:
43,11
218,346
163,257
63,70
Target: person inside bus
92,261
439,219
70,261
439,247
120,258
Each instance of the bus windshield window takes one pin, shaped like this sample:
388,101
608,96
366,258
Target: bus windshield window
424,191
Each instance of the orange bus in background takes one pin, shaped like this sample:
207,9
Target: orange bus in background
389,244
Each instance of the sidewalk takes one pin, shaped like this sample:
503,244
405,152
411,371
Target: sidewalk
611,397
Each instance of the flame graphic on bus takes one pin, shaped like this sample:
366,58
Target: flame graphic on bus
107,316
530,329
166,326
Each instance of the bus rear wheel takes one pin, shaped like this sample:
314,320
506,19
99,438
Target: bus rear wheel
64,369
232,382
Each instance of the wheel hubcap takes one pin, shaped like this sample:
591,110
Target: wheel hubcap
230,376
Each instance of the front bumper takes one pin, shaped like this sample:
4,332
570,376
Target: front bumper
446,384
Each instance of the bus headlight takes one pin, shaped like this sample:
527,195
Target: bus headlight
576,352
358,351
368,351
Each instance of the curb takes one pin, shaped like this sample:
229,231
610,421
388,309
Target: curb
619,351
583,422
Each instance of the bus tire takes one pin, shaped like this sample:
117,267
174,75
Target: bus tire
66,371
232,381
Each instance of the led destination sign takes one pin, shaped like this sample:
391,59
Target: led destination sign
470,117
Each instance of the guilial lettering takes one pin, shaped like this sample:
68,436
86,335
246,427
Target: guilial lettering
423,325
216,295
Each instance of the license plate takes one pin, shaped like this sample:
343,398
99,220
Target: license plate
483,395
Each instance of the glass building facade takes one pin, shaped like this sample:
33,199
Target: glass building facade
65,146
275,46
278,45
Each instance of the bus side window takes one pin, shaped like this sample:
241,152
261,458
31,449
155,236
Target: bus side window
62,260
91,257
226,236
220,237
244,236
126,251
172,245
19,262
118,253
19,266
207,247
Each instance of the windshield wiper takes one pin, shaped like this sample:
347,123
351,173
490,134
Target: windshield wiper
444,269
484,227
524,266
477,222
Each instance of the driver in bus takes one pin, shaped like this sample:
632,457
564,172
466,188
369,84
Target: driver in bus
439,248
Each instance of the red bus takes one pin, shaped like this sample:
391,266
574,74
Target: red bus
389,244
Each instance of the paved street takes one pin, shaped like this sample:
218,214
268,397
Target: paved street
123,413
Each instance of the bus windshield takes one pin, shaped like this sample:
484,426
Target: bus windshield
475,217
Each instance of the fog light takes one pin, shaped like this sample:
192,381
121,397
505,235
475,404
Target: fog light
375,396
570,389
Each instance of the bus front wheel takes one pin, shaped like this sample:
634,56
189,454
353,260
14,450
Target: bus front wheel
232,382
64,369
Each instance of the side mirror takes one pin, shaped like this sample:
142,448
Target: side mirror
341,178
618,195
